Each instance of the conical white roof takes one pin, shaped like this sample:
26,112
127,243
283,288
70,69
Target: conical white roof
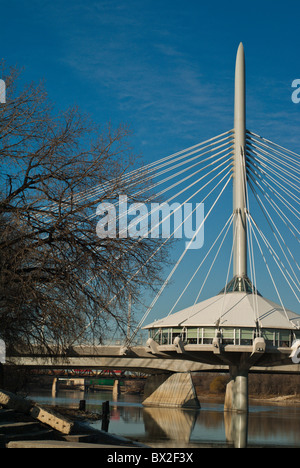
234,309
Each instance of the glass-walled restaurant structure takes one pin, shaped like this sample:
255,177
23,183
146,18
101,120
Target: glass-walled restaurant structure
237,318
229,336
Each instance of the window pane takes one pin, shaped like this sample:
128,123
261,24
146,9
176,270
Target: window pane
209,332
268,335
192,332
247,333
284,338
228,333
165,336
247,336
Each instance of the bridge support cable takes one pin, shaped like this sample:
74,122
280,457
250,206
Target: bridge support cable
266,156
228,270
277,194
181,181
286,270
291,184
252,270
250,245
145,173
153,167
228,225
275,184
276,258
219,171
226,155
222,142
175,267
214,260
254,182
283,153
273,177
251,249
187,200
285,219
142,180
284,159
251,254
271,276
212,158
217,163
277,234
228,176
284,179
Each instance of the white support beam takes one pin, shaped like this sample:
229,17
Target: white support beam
239,192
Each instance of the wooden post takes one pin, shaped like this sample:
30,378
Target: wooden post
82,405
105,416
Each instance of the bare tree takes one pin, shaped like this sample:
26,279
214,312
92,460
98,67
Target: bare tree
60,283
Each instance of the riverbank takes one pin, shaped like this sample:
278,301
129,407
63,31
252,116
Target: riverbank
25,424
268,423
284,400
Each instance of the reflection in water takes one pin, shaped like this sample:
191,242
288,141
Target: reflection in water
236,428
178,425
169,423
168,427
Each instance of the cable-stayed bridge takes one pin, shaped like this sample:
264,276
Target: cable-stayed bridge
238,329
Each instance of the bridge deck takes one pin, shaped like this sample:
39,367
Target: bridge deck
195,358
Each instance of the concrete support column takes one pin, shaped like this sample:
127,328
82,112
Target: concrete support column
55,387
236,398
116,389
175,390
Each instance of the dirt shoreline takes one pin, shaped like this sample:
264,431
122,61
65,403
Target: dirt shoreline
254,399
277,399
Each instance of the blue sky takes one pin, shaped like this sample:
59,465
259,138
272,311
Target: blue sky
164,67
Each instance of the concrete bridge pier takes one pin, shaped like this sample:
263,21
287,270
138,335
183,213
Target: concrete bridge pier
55,387
171,391
116,390
236,398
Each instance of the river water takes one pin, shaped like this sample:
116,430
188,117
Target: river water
266,425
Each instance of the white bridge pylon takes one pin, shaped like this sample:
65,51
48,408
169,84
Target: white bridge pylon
264,219
263,174
238,326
